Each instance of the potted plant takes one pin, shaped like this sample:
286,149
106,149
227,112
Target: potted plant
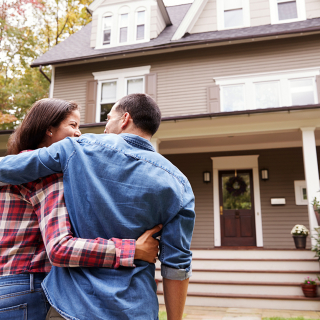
309,287
299,234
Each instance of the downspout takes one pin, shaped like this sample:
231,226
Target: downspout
40,69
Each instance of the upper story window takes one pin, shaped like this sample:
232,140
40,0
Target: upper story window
283,11
141,25
107,25
124,26
233,14
270,90
115,84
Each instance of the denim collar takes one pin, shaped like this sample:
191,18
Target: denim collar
137,141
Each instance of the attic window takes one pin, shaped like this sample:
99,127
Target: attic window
233,13
107,23
124,22
287,9
140,25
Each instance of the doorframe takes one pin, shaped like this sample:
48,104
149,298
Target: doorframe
236,163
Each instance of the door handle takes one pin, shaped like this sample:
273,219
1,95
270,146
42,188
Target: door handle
221,210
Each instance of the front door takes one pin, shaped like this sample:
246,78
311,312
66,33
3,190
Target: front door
236,208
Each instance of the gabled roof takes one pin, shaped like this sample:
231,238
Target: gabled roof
190,19
77,47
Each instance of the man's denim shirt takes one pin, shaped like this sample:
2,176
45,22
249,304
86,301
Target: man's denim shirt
115,186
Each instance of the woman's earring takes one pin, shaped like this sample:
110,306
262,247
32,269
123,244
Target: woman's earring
50,133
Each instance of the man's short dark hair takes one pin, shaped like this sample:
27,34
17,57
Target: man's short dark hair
143,110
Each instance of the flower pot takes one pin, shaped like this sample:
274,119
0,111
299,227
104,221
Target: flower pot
309,290
300,241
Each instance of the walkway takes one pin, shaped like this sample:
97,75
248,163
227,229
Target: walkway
214,313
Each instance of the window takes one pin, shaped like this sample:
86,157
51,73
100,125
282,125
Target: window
283,11
141,16
124,21
107,24
233,14
115,84
302,91
108,98
269,90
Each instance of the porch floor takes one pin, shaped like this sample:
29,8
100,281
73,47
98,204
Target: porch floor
215,313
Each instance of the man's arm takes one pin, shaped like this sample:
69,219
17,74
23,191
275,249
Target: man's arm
175,294
175,256
29,166
64,250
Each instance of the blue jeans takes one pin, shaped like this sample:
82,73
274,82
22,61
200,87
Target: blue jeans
22,298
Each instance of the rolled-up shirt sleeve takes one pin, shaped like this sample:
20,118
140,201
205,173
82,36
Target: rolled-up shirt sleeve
175,254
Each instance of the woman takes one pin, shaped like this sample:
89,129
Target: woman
35,228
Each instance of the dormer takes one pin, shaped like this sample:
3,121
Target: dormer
118,23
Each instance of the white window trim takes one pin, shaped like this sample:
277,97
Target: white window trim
115,11
283,77
136,24
220,15
121,76
301,10
298,186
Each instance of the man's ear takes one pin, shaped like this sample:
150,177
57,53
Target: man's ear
126,121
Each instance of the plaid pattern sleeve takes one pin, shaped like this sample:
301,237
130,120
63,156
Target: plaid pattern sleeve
62,248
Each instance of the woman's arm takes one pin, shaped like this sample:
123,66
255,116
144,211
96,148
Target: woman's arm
64,250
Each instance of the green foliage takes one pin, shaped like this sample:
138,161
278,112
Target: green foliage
28,28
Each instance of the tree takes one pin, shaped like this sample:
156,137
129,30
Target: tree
28,28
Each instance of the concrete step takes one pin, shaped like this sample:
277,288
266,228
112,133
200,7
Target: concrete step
249,301
251,264
253,254
250,276
259,288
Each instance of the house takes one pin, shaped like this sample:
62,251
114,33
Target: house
238,84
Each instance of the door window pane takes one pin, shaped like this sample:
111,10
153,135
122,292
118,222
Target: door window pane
233,18
236,193
135,86
233,98
287,10
302,91
267,95
108,91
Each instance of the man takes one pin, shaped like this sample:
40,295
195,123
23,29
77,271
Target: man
117,186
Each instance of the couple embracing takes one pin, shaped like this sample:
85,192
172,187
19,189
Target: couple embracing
115,186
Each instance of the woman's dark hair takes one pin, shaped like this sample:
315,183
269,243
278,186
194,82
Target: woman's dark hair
143,110
43,114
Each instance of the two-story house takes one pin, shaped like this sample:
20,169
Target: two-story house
238,84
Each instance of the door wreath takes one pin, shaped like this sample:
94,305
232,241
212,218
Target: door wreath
236,186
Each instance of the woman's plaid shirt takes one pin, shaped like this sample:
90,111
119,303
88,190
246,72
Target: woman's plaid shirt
34,225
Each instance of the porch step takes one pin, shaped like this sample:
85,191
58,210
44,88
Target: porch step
249,301
256,264
238,287
245,278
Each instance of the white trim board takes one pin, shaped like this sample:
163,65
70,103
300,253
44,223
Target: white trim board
51,89
236,163
190,19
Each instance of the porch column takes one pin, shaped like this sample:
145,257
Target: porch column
155,143
311,172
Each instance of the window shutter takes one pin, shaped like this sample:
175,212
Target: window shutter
213,98
90,115
318,87
151,85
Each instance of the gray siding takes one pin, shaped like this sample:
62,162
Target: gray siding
285,166
183,77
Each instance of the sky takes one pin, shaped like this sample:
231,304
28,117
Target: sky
176,2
